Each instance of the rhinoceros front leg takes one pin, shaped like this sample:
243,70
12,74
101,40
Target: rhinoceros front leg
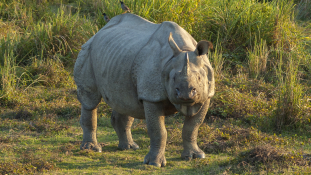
122,125
190,134
155,120
88,122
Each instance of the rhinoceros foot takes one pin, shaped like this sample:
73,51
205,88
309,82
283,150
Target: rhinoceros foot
92,146
124,146
154,159
191,154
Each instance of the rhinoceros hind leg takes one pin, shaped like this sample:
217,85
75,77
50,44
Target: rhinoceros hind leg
88,122
89,98
122,125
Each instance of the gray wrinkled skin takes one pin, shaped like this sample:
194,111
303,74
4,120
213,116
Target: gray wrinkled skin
146,71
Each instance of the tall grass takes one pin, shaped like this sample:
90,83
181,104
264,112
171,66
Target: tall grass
257,59
7,70
217,60
54,41
61,35
289,105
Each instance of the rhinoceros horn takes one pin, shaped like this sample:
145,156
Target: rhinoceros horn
185,69
173,45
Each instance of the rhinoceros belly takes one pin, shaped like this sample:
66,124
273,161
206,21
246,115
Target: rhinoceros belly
113,54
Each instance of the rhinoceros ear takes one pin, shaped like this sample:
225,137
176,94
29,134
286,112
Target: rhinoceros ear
202,47
173,45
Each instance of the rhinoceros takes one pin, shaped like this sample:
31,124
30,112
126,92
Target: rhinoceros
146,71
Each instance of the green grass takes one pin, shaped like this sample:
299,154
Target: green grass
259,121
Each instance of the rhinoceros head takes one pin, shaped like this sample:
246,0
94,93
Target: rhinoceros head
189,80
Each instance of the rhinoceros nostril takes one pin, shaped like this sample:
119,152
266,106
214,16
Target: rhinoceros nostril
177,91
193,92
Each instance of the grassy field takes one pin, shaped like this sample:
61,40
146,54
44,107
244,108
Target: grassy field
259,121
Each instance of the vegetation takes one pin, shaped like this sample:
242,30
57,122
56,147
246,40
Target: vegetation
259,120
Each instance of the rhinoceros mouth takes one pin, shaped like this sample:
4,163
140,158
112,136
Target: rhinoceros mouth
189,110
188,103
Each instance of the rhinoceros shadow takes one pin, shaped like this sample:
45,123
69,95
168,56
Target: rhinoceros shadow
139,164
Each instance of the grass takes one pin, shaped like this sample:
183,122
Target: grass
259,120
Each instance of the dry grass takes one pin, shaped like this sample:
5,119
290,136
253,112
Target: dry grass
267,154
271,158
241,97
228,138
47,125
28,163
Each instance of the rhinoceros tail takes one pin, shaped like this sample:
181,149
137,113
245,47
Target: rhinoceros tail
87,92
82,60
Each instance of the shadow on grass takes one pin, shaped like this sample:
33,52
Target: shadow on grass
64,113
139,165
110,148
80,165
136,164
8,115
143,143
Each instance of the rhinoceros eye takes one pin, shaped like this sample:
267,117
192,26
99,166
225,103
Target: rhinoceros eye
199,78
174,78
